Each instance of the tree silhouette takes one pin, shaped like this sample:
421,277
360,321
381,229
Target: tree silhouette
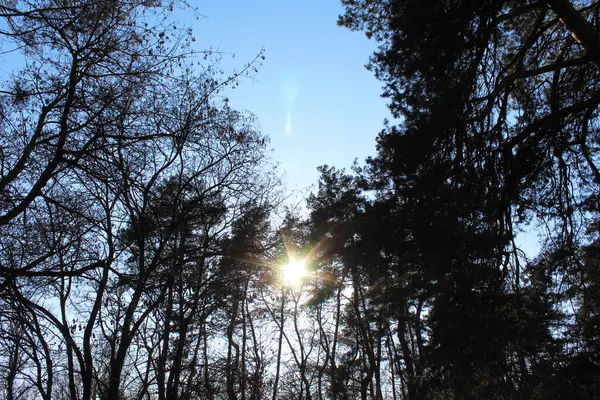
142,241
498,104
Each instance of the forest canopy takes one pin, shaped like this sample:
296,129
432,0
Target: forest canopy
145,252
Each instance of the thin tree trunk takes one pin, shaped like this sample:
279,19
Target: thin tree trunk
279,345
232,361
255,390
68,344
244,340
336,384
207,385
162,359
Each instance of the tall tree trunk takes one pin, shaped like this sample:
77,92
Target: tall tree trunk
162,358
279,345
68,339
232,360
207,384
255,389
337,387
244,341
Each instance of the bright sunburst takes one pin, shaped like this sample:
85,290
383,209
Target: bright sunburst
293,272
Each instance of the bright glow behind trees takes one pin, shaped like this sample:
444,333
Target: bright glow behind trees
293,272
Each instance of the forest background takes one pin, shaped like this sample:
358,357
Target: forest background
147,241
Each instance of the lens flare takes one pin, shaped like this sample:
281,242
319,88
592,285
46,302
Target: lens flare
294,272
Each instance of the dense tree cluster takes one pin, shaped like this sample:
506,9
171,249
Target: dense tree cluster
498,102
123,176
140,255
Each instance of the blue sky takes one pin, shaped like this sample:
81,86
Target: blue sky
313,95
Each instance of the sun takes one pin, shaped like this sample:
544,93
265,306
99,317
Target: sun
293,272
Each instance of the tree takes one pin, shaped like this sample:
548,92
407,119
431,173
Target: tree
243,272
498,101
121,174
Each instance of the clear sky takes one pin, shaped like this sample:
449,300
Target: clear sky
312,96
